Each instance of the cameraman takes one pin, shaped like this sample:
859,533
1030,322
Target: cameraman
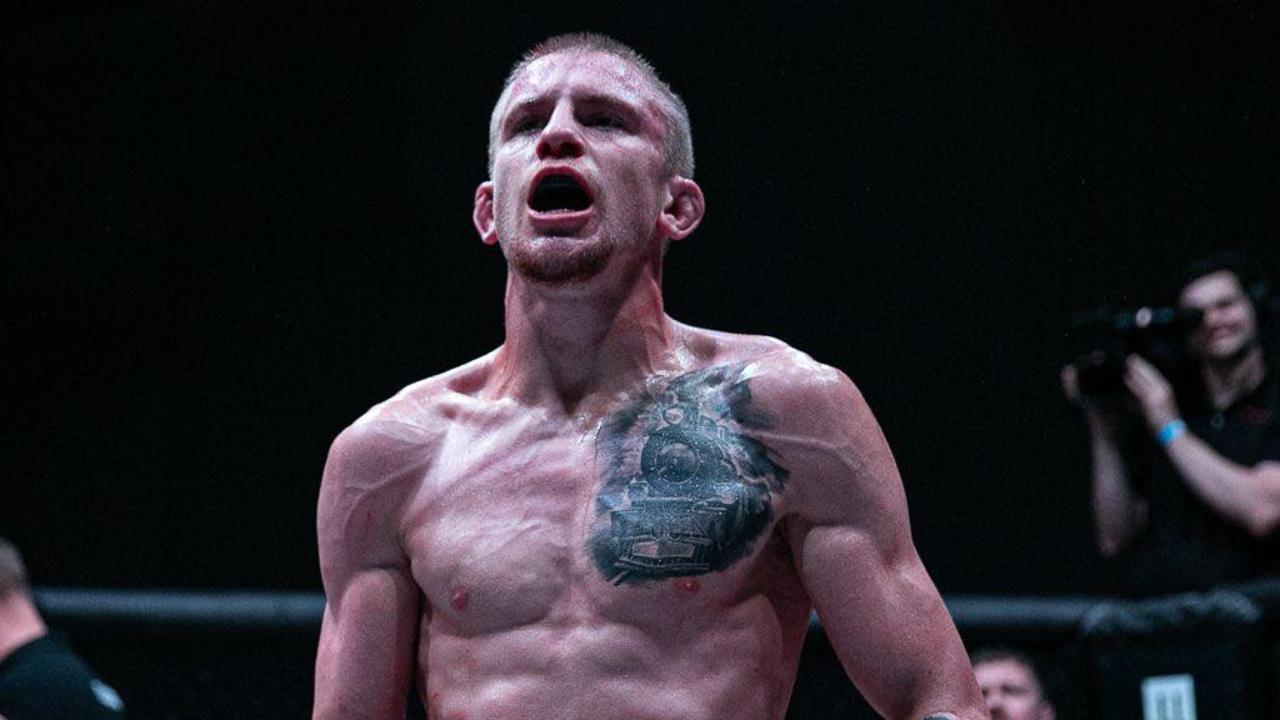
1186,483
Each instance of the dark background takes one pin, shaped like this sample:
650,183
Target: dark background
229,227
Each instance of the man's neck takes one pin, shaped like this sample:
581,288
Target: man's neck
1231,379
20,623
565,347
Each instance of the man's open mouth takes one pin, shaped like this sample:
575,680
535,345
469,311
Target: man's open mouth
559,193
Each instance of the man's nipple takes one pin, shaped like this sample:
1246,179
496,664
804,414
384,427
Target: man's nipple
687,587
458,599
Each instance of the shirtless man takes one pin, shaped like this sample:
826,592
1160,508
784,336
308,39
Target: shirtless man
615,515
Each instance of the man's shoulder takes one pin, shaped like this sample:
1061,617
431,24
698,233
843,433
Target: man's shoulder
786,383
377,463
771,366
416,416
814,419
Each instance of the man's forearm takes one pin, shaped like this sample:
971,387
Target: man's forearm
1118,512
1244,496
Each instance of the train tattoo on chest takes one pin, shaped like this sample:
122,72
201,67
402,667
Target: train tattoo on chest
686,490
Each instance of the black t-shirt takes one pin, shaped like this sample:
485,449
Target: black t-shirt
1187,545
45,680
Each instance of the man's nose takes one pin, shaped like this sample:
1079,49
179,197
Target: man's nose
560,136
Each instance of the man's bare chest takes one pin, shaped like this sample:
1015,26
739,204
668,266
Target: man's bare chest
670,489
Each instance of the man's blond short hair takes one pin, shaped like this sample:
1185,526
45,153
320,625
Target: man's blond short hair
678,138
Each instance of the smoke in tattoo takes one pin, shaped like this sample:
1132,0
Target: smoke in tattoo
686,491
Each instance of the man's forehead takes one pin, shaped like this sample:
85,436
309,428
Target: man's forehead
1213,286
593,71
1003,669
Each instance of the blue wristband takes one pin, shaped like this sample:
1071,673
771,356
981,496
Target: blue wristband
1170,432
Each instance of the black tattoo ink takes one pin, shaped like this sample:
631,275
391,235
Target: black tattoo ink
939,716
686,491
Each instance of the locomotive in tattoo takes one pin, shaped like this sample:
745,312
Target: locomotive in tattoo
686,491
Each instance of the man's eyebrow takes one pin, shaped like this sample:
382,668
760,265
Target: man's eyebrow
609,99
525,105
520,107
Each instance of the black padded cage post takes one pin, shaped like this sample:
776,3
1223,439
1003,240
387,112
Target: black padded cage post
1188,657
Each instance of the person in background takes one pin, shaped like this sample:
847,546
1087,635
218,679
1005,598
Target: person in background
1186,475
1011,685
41,678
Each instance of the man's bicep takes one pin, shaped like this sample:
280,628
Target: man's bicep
846,477
885,620
372,612
852,542
366,657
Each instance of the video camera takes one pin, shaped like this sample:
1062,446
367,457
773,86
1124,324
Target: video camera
1107,336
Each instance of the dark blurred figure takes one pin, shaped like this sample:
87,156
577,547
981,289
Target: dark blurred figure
1186,485
1011,685
40,677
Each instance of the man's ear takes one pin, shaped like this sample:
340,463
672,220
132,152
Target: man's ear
684,210
482,214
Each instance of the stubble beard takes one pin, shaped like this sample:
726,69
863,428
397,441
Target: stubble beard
1233,357
559,261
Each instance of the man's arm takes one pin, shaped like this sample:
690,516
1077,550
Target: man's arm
852,544
365,661
1119,513
1246,496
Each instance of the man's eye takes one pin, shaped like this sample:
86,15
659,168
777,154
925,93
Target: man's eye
525,125
607,120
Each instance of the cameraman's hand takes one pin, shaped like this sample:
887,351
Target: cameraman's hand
1102,418
1152,391
1071,386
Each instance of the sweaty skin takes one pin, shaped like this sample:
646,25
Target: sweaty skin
615,515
